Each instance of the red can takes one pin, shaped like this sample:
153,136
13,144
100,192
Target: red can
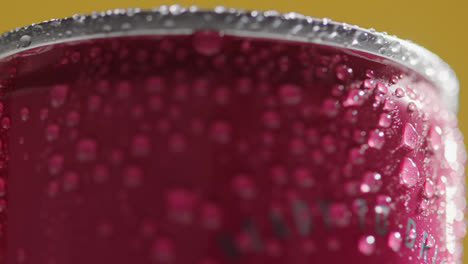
180,136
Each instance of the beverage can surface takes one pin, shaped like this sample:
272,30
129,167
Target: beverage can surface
180,135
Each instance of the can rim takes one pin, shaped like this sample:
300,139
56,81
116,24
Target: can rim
177,19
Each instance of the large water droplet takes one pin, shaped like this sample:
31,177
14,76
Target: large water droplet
25,41
410,136
409,173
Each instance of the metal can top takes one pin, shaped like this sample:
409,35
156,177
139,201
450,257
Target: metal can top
177,19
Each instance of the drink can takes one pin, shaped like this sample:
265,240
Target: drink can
180,135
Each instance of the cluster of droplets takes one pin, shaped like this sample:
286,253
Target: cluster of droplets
306,122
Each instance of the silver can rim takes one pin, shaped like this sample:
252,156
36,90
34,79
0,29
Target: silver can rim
177,19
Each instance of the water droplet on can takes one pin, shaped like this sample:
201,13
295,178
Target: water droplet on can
25,41
409,173
366,245
376,139
371,182
207,42
394,241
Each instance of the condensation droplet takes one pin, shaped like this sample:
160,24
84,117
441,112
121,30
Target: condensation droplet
412,107
162,250
207,42
6,122
177,143
140,146
243,186
25,41
385,120
303,178
435,138
290,94
381,88
389,105
330,107
56,164
221,132
52,132
340,214
399,92
101,174
24,114
271,119
355,98
58,95
343,72
70,181
86,149
180,205
356,155
409,173
394,241
376,139
366,245
211,216
428,189
73,118
368,84
410,136
132,177
371,182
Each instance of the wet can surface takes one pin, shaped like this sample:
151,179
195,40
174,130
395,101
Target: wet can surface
214,137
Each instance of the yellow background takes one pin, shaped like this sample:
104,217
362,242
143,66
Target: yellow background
439,25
